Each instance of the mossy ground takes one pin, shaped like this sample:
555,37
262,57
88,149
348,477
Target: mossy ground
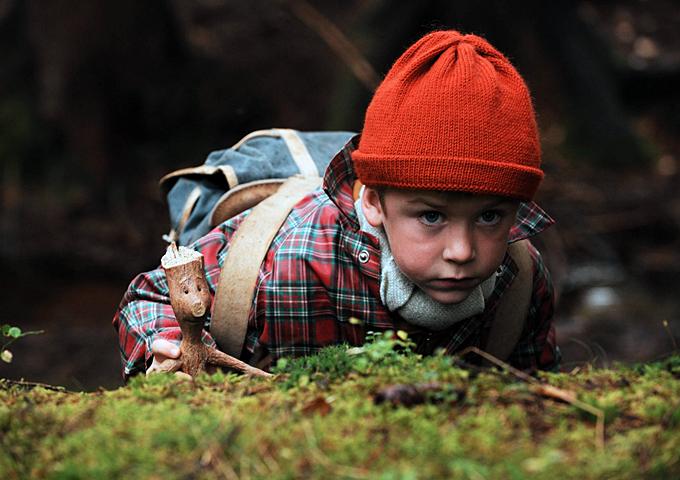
319,419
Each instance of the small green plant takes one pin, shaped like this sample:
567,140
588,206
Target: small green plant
381,349
11,334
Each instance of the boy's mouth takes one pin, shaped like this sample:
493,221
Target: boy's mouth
464,283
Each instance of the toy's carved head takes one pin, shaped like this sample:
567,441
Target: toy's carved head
190,296
193,302
187,285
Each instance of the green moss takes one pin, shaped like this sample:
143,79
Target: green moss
318,418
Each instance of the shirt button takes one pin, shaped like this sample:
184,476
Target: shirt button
364,256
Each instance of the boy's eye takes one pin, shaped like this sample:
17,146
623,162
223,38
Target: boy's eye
491,217
431,218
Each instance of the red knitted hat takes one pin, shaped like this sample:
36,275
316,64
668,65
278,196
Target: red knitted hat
451,114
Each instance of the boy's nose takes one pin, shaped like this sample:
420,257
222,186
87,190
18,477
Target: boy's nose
459,247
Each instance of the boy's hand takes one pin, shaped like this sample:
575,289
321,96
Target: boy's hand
165,358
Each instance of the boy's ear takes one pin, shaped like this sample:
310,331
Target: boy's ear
372,207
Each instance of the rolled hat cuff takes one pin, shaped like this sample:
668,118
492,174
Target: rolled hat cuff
449,174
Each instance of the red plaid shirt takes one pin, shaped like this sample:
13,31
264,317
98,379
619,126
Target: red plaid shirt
312,282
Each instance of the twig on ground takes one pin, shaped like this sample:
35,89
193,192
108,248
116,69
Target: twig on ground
547,391
593,357
499,363
24,383
605,357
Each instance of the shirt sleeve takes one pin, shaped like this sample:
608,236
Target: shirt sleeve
145,313
537,348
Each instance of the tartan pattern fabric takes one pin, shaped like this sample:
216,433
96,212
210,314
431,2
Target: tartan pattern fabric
320,271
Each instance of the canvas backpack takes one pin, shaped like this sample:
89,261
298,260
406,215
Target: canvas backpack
235,179
270,171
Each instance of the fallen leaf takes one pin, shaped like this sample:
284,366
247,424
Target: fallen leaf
319,405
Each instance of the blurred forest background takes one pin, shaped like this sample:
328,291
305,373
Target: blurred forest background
99,99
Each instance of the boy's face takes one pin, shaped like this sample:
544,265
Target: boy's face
447,243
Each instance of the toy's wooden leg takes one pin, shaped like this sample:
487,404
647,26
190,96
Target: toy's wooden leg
194,356
221,359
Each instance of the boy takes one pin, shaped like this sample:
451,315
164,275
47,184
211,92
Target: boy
449,158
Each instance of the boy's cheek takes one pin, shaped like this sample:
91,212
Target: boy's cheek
491,253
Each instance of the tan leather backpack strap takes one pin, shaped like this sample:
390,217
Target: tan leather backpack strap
298,150
248,247
513,306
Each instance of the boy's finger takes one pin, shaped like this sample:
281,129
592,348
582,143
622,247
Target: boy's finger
167,365
165,347
184,376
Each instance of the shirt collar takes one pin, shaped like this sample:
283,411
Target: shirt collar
339,181
531,220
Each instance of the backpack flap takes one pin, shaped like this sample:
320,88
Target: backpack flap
243,197
235,179
191,194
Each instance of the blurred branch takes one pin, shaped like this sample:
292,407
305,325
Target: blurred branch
336,40
5,8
